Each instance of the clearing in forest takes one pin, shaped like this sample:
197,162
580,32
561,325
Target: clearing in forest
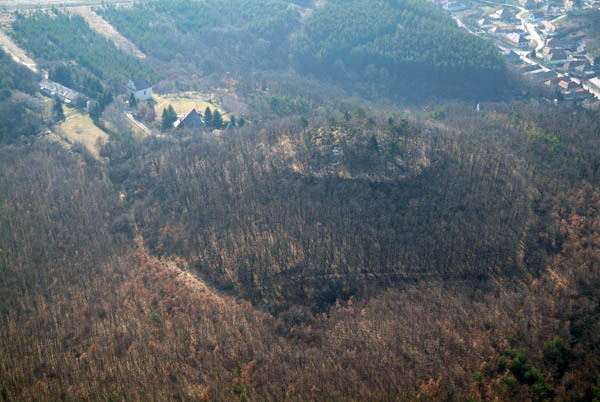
184,102
79,128
100,25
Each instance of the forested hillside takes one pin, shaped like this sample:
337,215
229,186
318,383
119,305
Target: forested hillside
218,34
63,38
329,246
287,235
91,313
400,47
391,49
17,84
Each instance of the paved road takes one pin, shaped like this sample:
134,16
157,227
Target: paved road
531,29
139,125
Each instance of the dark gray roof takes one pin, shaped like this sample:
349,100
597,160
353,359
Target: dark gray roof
140,84
192,120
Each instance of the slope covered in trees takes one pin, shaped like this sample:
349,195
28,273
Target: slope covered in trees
89,314
391,49
402,46
240,33
279,239
22,114
324,250
58,37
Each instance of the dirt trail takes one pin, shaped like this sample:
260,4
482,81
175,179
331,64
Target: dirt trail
100,25
17,54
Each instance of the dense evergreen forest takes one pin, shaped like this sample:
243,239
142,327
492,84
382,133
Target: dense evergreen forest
329,249
219,34
396,46
59,37
393,49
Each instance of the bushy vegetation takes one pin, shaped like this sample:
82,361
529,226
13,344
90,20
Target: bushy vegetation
402,47
61,37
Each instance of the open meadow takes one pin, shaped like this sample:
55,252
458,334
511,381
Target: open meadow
78,128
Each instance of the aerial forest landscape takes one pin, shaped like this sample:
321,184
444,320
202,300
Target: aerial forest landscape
300,200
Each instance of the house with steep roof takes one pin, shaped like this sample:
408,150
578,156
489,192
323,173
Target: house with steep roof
517,39
484,23
140,88
192,120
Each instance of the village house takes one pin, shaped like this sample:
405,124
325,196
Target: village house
517,39
512,57
500,14
553,81
566,84
496,30
140,89
536,16
548,27
577,94
557,57
484,23
66,95
584,71
192,119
